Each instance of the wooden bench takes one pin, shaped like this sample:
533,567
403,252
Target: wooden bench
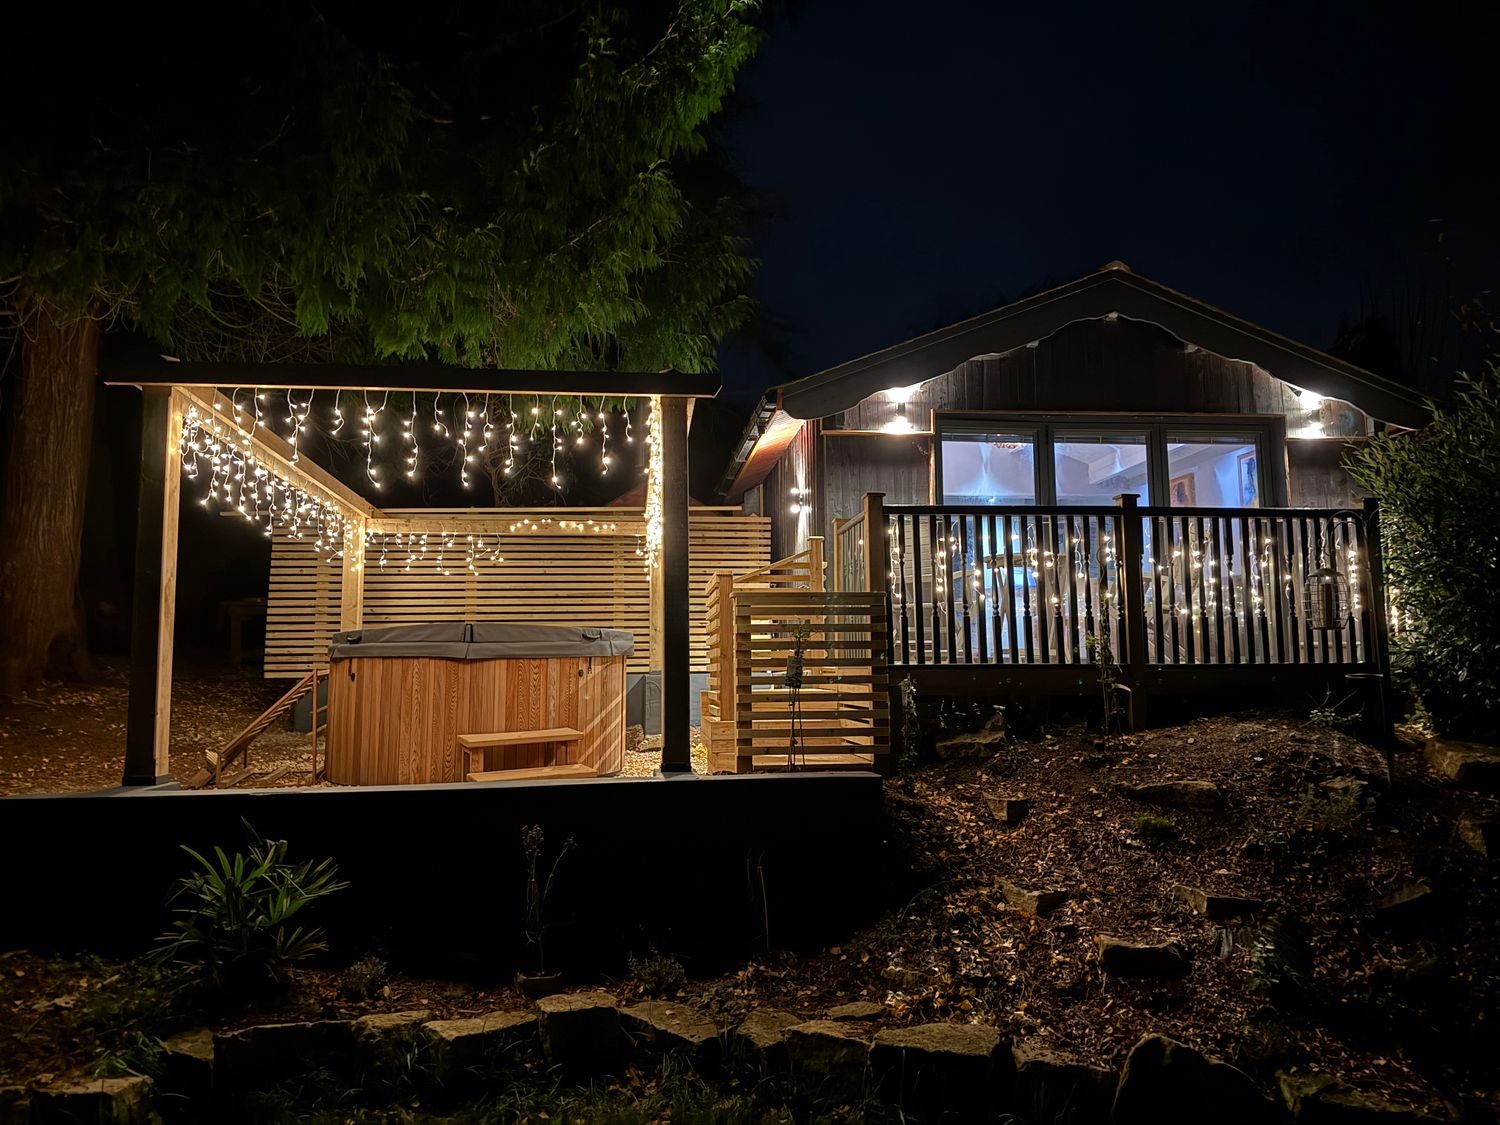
481,742
535,773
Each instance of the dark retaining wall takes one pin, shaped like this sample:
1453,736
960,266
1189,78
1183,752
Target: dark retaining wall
694,866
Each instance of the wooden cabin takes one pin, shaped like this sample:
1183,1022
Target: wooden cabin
1106,473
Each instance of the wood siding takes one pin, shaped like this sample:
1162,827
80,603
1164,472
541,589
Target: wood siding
587,579
396,721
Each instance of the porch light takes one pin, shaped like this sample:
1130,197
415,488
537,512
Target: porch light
900,423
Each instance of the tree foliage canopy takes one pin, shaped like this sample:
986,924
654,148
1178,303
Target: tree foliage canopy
1439,491
505,185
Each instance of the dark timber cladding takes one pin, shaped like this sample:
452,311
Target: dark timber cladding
163,384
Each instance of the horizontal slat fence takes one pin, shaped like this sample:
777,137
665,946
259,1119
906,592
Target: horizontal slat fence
586,578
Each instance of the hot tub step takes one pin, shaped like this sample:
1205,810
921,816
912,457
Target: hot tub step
535,773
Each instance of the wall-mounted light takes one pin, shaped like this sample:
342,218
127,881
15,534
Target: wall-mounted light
799,501
899,423
1311,403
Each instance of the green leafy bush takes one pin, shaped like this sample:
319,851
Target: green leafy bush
1439,491
234,916
1156,829
659,974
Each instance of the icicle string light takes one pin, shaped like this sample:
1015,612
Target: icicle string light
653,484
237,479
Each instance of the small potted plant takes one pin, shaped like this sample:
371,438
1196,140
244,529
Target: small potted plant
533,842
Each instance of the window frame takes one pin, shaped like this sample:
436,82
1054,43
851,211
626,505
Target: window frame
1268,431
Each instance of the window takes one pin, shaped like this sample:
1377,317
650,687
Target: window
989,468
1094,468
1212,470
1023,459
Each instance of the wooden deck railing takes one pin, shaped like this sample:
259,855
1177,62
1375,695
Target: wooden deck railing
752,717
1151,589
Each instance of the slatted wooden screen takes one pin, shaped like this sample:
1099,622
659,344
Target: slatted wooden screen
552,577
302,610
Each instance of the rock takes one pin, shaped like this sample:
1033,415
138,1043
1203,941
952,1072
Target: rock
762,1036
187,1074
1008,810
97,1101
1470,764
857,1010
1320,1099
1163,1080
1352,789
971,744
385,1041
938,1069
1405,903
581,1031
828,1056
1217,907
1033,902
672,1027
257,1056
1193,796
1121,958
468,1047
1481,834
1051,1086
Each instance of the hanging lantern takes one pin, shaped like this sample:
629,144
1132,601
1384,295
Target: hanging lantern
1325,600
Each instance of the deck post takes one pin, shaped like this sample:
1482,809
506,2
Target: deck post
1378,710
676,747
877,558
1132,607
154,599
815,563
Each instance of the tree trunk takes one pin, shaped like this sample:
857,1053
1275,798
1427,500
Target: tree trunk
46,478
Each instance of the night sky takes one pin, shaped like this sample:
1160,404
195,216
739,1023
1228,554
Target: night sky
923,162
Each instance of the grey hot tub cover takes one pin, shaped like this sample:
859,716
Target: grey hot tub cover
482,640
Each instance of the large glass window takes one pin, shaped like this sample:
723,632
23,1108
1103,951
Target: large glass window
1094,468
1212,470
989,468
1062,459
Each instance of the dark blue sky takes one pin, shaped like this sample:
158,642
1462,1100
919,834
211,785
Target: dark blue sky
923,162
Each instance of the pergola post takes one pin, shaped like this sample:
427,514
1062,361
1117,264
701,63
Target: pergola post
674,626
154,601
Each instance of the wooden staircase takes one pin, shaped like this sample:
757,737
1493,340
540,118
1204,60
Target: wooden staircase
239,746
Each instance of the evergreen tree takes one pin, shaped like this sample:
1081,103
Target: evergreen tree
496,186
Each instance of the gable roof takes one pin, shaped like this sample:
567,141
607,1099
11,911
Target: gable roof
1115,289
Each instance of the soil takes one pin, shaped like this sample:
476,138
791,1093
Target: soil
1398,1005
70,737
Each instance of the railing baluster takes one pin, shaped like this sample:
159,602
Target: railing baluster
901,579
1220,574
1070,546
963,576
916,578
1090,628
997,622
981,573
1030,554
1010,585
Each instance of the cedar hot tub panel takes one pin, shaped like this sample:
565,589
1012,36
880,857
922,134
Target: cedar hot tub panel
395,719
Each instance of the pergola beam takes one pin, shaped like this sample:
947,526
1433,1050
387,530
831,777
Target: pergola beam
424,377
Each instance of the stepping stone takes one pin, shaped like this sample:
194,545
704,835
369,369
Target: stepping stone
1321,1099
1470,764
1009,811
581,1031
1164,1080
390,1023
1216,907
187,1074
1052,1086
858,1010
672,1027
1033,902
828,1057
762,1036
1166,960
943,1071
1193,796
98,1101
477,1044
265,1054
1482,834
1406,903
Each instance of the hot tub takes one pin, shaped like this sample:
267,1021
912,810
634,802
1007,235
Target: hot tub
399,697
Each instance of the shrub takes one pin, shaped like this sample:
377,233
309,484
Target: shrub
1439,491
659,974
1156,829
364,978
234,915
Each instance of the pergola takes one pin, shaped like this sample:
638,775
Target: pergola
155,589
